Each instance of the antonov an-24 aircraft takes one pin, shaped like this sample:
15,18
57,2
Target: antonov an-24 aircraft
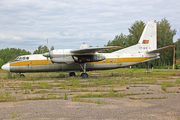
88,59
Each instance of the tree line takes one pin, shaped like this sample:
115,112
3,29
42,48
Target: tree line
165,36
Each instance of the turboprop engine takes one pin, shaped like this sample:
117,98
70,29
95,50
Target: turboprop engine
65,56
60,56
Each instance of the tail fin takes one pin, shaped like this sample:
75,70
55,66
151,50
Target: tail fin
147,42
83,45
149,36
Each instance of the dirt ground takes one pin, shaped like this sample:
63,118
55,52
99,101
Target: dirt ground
116,108
140,102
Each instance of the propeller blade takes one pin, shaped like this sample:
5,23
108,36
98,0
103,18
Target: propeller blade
47,60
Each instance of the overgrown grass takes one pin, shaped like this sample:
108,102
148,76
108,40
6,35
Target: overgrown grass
61,83
136,98
167,84
87,100
7,96
95,95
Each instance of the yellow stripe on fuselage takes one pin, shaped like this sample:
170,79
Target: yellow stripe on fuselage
109,60
31,62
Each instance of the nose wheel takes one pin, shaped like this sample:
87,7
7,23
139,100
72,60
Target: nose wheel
21,75
72,74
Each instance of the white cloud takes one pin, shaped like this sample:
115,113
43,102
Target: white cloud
68,23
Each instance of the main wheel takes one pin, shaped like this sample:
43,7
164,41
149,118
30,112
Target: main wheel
84,75
72,74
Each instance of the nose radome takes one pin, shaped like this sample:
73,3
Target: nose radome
6,67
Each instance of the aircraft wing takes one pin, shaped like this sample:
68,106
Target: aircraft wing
94,49
161,49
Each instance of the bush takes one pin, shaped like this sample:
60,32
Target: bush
176,66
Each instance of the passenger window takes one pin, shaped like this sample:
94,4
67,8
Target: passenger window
27,58
23,58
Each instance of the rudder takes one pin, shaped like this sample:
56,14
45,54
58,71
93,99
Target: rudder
149,36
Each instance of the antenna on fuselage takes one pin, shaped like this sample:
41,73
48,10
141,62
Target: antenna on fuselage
48,53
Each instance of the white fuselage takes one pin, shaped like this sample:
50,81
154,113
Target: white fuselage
38,63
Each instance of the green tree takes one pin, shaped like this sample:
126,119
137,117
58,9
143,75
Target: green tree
41,49
164,38
119,40
177,44
52,47
9,54
1,62
135,32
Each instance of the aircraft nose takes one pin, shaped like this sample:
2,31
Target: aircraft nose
6,67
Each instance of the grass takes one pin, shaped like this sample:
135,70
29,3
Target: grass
65,96
7,96
12,114
167,84
61,83
77,99
136,98
95,95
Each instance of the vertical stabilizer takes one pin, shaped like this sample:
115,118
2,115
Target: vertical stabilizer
147,42
149,36
83,45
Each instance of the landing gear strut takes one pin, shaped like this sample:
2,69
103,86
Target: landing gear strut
147,68
84,74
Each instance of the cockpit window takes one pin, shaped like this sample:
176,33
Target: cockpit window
22,58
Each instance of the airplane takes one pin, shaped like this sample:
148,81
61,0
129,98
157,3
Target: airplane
87,58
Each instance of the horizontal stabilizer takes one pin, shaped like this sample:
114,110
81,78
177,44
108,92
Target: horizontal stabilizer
161,49
94,49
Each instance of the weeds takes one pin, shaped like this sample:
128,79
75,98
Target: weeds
135,98
65,96
62,75
12,114
18,113
94,95
167,84
7,96
87,100
10,76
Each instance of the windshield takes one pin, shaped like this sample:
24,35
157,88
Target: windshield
22,58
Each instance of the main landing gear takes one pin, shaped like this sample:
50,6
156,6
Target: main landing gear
83,67
84,74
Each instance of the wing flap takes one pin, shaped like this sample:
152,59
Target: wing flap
94,49
161,49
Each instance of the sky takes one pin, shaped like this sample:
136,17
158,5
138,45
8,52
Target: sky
26,24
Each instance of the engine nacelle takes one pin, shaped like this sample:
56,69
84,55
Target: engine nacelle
65,56
61,56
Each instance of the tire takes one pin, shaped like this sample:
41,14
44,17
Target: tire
72,74
84,75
